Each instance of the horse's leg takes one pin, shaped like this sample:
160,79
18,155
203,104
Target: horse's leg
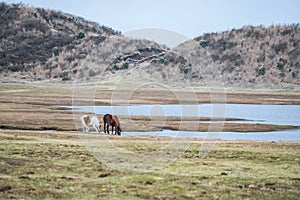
86,128
99,127
96,128
107,128
104,127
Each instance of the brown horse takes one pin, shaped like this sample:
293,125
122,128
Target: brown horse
113,121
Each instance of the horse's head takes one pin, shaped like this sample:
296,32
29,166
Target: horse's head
119,130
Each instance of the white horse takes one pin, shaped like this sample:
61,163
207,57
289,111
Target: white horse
92,121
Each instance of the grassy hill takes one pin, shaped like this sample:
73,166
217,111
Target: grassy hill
39,44
249,56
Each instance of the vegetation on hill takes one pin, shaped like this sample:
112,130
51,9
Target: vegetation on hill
41,44
250,55
44,43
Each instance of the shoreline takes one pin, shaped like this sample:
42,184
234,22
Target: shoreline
33,107
76,136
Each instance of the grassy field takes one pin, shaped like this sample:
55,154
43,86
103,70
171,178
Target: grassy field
42,156
41,164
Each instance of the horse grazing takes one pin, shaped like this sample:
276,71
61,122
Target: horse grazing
113,121
92,121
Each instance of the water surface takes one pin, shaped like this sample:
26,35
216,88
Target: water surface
287,135
266,114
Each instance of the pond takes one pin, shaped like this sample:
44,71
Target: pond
269,114
253,113
287,135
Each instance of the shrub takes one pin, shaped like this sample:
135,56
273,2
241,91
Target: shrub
80,35
126,65
161,59
115,67
184,70
280,66
82,56
203,43
65,75
261,71
92,73
55,51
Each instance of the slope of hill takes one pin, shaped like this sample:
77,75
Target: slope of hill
39,44
250,56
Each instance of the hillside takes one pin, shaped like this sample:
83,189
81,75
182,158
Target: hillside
38,44
250,56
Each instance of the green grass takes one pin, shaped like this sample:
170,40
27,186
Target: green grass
51,165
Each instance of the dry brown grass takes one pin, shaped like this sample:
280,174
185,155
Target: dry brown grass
34,107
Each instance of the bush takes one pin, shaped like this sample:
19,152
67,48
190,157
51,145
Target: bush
65,75
80,35
279,66
126,65
161,60
82,56
92,73
261,71
184,70
115,67
203,43
55,51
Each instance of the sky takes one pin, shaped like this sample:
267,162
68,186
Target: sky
188,18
